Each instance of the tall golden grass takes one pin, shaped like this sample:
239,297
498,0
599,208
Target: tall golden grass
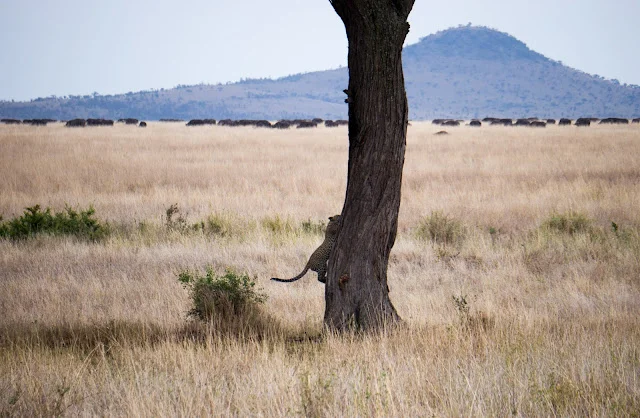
515,316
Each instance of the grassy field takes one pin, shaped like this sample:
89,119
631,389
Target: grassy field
516,270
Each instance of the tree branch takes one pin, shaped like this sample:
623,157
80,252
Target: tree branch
403,7
339,6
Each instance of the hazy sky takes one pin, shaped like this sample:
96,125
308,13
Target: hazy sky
60,47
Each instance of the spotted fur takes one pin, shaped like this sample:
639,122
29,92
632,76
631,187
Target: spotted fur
318,260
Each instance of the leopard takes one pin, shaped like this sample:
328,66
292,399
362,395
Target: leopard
318,260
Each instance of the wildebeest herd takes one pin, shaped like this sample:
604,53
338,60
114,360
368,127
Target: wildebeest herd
283,123
34,122
312,123
81,123
535,122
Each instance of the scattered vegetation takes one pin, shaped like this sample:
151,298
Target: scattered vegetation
441,229
568,223
278,226
521,319
230,303
175,220
468,320
34,221
227,226
573,237
462,307
314,227
218,225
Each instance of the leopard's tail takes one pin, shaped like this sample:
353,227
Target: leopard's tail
298,277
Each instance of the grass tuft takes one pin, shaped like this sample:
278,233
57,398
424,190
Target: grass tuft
441,229
568,223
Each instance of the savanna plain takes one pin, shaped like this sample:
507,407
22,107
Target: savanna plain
516,271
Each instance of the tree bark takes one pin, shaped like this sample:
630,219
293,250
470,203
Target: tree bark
356,291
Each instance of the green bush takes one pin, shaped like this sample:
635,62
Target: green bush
441,229
568,223
223,299
34,221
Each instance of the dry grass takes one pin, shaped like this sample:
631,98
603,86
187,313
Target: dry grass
522,316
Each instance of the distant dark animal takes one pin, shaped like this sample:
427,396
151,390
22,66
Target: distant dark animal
282,124
330,124
209,121
615,121
503,122
583,122
475,122
35,122
246,122
225,122
143,124
341,122
99,122
636,120
450,123
564,122
437,121
489,119
522,122
538,124
307,124
262,124
317,120
195,122
11,121
442,133
551,121
76,123
129,121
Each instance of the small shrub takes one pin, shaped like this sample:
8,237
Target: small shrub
478,321
35,221
462,306
568,223
441,229
223,299
174,220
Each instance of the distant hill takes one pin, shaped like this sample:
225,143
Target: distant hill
462,72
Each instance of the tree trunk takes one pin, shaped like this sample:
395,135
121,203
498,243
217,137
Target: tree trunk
356,291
